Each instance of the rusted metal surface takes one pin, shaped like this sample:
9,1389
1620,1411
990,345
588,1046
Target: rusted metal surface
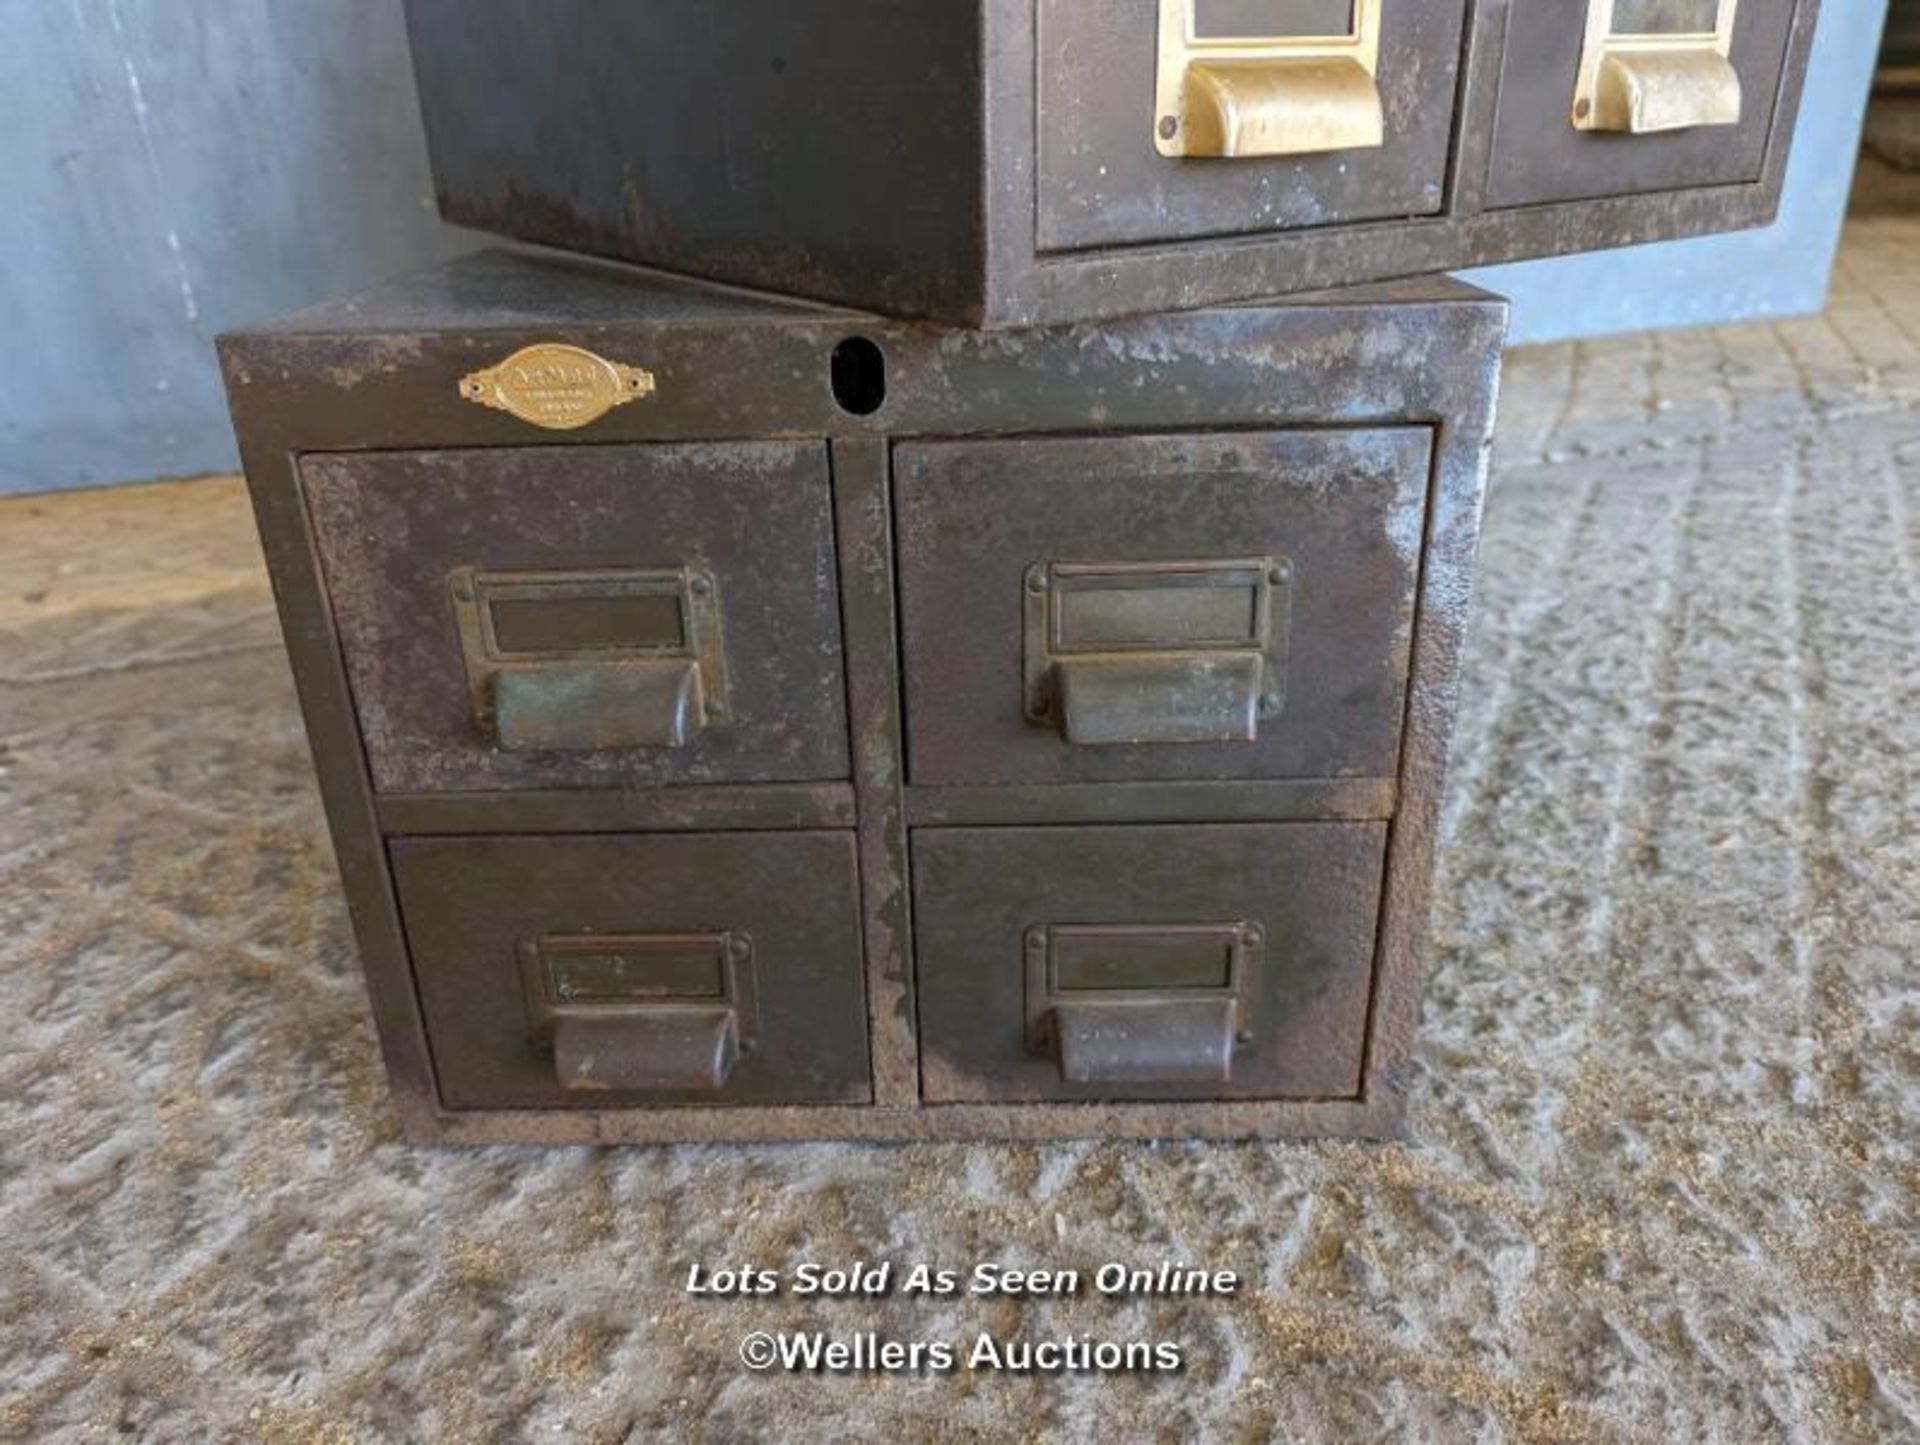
743,528
1311,891
476,907
864,514
994,162
377,377
1241,799
1101,185
745,141
748,807
1345,509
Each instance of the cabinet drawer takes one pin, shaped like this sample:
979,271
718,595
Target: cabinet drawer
1624,97
1357,95
1214,961
586,616
1158,607
634,971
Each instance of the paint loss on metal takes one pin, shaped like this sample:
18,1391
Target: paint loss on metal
592,907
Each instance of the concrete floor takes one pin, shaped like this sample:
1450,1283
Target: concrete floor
1661,1181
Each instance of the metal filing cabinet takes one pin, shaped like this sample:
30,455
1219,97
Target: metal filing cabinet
1016,162
741,719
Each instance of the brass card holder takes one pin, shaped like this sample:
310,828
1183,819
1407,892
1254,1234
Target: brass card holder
1142,1004
1221,93
665,1012
627,658
1157,652
1657,65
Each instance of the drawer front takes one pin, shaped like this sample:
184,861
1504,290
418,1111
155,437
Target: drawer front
561,617
1229,962
1120,609
636,971
1361,94
1624,97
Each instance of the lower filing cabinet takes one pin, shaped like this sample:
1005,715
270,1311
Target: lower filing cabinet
740,719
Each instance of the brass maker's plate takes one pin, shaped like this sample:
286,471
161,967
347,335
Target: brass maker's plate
556,386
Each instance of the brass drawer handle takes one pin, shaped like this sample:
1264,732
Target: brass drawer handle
642,1012
1142,1003
1657,65
1157,652
1226,94
591,660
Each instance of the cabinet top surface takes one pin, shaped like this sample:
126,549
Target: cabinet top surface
516,289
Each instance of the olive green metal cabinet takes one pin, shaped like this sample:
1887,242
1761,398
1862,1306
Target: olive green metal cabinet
1018,162
740,719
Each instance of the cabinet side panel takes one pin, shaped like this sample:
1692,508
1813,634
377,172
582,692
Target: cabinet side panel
822,150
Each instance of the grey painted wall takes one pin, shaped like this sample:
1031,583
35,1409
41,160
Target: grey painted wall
177,167
173,168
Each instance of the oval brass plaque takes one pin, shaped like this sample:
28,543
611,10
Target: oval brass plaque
556,386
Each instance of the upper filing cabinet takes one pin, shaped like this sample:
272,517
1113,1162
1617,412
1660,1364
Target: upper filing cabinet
1011,162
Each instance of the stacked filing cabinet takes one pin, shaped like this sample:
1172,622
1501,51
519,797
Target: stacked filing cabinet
742,719
1017,162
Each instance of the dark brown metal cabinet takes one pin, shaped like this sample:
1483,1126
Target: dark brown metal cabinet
1225,961
1015,162
1741,70
741,719
1198,605
638,970
1102,182
528,617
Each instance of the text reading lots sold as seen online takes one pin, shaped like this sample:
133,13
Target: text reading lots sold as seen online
875,1281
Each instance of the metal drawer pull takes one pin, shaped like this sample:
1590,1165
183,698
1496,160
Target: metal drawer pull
661,1012
1157,652
591,660
1657,65
1223,92
668,1049
1171,1041
1141,1004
